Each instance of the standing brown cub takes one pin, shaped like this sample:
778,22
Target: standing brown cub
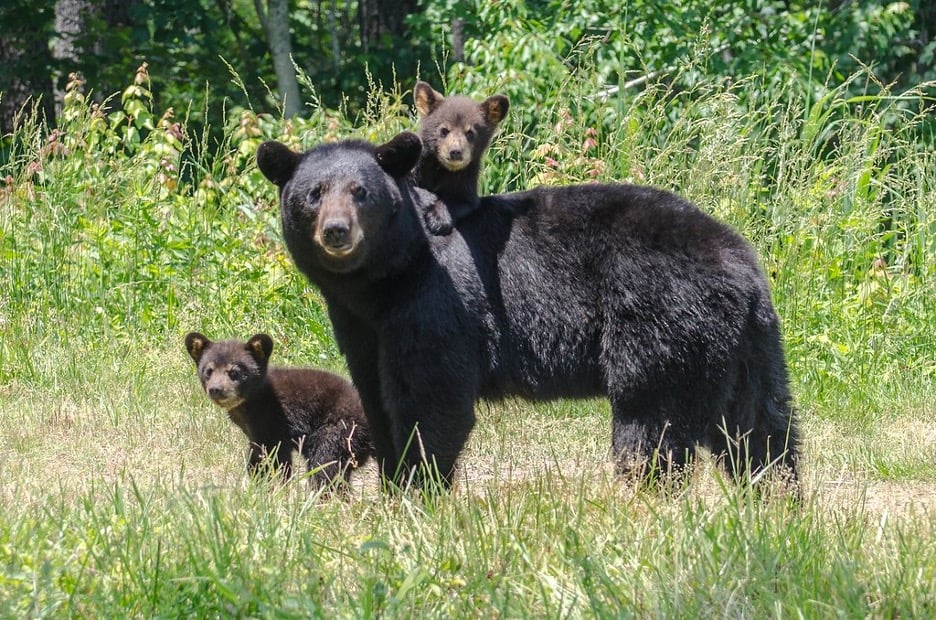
284,409
455,133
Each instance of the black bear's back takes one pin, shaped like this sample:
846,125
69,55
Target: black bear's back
593,285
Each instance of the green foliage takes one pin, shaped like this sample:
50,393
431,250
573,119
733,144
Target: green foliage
120,220
525,48
117,223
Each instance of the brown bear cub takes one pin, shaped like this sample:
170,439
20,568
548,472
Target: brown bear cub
282,410
455,133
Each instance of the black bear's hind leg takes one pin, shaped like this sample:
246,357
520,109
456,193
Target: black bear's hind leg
745,451
649,447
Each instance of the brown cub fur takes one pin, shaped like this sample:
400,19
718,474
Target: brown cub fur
284,409
455,132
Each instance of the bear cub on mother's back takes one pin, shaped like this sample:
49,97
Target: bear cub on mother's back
455,133
284,409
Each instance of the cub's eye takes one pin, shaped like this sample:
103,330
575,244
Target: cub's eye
470,135
443,131
234,374
207,371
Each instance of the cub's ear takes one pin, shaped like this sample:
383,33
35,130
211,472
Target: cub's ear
260,346
495,109
398,156
196,344
426,99
277,161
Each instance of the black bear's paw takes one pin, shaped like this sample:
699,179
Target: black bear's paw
438,220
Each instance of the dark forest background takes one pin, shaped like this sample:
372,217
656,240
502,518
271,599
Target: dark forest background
283,56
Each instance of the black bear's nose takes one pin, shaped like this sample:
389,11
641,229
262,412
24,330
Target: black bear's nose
335,234
215,392
455,155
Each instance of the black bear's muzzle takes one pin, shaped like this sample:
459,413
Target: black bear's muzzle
336,235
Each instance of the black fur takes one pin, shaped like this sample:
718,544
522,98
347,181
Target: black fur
282,410
455,131
617,290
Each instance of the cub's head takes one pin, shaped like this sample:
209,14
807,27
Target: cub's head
338,200
230,370
457,130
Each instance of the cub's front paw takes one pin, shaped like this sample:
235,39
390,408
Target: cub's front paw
438,220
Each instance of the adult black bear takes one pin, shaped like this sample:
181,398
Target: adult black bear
455,132
282,410
626,291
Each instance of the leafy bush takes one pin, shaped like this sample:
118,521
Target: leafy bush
125,224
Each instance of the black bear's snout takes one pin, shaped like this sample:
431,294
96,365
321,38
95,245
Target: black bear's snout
215,392
455,155
336,233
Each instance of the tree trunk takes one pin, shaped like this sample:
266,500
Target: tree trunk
335,42
25,63
275,20
71,18
458,39
380,17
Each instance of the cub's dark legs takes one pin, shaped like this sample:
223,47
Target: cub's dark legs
333,451
270,460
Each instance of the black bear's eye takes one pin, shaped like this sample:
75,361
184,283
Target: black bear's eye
316,192
207,371
359,192
470,135
443,131
234,374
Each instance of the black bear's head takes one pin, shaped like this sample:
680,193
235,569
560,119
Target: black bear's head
457,130
339,201
230,370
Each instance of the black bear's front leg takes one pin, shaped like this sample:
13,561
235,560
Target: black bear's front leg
359,345
430,444
430,393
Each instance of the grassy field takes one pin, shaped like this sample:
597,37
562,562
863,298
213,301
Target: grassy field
124,492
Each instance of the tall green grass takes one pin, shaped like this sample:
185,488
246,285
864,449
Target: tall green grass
556,546
124,491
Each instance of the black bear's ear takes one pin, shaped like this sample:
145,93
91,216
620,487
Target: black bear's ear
260,346
495,109
398,156
277,161
426,99
196,344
